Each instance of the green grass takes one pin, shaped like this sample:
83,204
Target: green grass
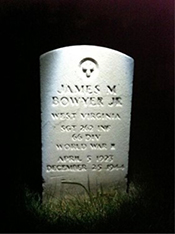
147,208
100,212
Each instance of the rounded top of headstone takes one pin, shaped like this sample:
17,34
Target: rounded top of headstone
88,47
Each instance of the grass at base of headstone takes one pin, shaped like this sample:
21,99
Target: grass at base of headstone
102,212
78,213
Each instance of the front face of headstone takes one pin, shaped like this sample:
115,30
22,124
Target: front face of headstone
86,94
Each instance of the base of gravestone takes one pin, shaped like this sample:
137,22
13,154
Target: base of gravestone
70,189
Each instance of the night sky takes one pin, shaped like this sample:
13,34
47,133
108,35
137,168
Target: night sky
142,29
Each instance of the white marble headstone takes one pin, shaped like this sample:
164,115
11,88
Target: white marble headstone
86,94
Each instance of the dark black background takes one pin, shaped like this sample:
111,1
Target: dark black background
140,29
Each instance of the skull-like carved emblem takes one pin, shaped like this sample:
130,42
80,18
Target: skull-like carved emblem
88,67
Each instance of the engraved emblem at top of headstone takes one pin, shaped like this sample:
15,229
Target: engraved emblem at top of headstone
86,94
88,67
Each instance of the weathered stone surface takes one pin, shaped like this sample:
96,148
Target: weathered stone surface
86,94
